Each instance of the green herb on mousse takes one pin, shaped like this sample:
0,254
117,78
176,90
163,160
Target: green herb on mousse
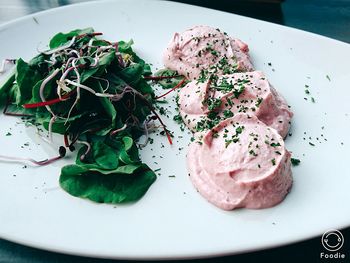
258,102
275,144
96,94
273,161
235,137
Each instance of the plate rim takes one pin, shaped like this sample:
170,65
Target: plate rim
58,249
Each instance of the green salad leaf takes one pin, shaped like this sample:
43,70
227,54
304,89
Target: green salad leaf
94,93
107,176
62,38
26,78
111,188
4,89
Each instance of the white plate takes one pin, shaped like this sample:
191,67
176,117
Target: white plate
173,220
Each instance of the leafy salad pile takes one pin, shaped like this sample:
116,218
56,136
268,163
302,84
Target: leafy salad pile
96,94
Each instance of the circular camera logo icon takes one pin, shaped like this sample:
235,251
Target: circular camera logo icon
332,240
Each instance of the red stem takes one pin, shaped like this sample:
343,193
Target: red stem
149,105
163,125
65,139
160,77
48,102
176,87
169,137
48,161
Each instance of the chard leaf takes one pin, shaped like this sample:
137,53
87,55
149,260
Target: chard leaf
35,92
112,188
104,62
48,89
129,153
107,105
5,87
144,87
26,78
129,169
62,38
131,74
38,60
60,125
128,143
105,156
125,47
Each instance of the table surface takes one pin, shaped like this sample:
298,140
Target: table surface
330,18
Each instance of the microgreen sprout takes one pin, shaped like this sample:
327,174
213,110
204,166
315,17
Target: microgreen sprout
88,148
42,86
52,51
3,64
116,131
61,151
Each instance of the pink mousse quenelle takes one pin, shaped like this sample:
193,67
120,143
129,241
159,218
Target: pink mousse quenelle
204,104
238,119
203,50
241,163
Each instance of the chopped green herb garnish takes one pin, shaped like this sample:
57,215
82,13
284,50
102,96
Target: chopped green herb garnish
162,110
228,114
239,130
239,91
273,161
227,143
275,144
215,134
178,119
213,103
251,152
258,102
295,161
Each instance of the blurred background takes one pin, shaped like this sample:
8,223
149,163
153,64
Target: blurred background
326,17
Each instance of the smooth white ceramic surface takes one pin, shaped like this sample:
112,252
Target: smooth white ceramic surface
173,220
